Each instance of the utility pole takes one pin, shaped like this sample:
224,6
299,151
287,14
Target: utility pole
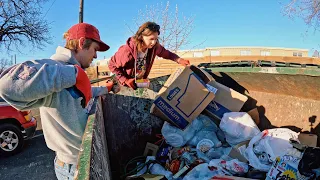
81,12
15,59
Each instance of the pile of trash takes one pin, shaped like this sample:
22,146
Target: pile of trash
224,143
205,150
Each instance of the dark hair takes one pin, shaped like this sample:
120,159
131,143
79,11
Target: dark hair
146,29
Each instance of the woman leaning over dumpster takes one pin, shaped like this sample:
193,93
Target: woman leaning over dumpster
133,60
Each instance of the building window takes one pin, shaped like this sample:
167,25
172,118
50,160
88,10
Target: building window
245,52
215,53
265,53
297,54
197,54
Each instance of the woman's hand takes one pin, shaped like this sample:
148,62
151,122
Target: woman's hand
183,62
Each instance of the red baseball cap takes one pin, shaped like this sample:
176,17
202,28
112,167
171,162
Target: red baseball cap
85,30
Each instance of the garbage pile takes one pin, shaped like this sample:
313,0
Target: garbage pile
205,150
206,137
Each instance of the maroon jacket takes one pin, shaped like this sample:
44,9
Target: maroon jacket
122,62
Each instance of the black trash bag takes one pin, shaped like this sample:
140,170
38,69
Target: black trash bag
256,174
310,160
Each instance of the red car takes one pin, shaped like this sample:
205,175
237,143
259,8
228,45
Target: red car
15,127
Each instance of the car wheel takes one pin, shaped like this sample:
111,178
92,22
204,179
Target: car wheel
11,139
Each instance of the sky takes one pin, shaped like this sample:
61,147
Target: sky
216,23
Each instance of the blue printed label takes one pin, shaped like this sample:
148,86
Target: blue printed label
211,88
171,113
173,93
217,109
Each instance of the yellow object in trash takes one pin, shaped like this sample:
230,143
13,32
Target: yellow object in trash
143,83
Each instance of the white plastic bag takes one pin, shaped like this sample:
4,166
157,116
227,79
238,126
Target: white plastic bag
208,130
157,169
238,127
175,136
200,128
277,142
217,153
273,143
202,171
234,166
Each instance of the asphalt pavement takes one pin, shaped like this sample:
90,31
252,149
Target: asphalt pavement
33,163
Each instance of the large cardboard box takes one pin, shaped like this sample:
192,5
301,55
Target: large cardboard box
225,100
184,96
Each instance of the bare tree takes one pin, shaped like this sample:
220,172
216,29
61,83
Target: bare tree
308,10
175,29
4,63
316,54
22,23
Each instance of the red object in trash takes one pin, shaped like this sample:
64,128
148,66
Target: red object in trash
220,178
174,166
184,149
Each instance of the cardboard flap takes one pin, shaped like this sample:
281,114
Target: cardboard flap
228,97
204,76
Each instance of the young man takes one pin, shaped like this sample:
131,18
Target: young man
61,89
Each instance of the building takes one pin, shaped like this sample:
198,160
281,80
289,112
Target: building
233,51
101,62
222,54
244,51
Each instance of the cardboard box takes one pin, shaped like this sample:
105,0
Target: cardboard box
225,100
254,113
184,96
308,139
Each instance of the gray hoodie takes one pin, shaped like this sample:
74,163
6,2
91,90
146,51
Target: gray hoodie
42,84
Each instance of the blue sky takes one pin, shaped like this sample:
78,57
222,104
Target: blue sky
219,23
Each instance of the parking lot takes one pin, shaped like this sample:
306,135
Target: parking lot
34,162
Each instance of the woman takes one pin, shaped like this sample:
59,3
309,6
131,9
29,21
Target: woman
134,59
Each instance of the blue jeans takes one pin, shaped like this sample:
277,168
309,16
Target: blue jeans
64,171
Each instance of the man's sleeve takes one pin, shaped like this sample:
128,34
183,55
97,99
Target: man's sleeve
98,91
30,85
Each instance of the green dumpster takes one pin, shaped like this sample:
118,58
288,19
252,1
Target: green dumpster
286,95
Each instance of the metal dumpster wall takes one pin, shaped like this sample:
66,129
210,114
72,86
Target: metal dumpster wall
93,162
283,100
129,126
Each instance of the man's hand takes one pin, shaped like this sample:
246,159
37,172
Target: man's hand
112,87
131,83
183,62
83,86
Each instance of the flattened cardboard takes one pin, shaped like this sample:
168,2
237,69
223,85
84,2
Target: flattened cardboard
150,149
184,96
